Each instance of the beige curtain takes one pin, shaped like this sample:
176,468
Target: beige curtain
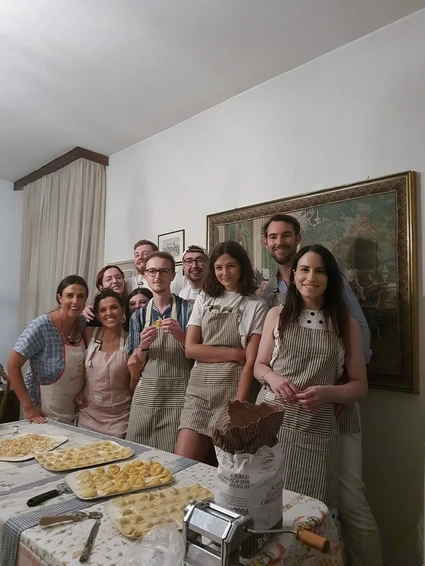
63,233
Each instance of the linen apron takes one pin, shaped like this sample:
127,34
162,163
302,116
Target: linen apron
107,389
211,385
159,395
57,398
308,357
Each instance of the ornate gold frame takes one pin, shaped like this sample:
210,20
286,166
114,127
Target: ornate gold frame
403,184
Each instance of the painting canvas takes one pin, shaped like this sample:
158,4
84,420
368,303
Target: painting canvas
370,228
127,267
173,243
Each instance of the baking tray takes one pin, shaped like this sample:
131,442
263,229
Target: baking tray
47,460
72,481
157,499
58,441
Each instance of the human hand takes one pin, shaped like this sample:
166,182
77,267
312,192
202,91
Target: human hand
284,390
313,398
35,415
240,356
171,326
148,337
81,401
88,313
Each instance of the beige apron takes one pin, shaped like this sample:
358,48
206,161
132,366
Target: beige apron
308,357
211,385
159,395
107,389
57,399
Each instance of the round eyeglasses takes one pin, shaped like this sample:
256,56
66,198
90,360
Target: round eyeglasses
191,261
163,271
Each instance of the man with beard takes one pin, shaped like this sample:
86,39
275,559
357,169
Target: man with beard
281,236
195,263
142,249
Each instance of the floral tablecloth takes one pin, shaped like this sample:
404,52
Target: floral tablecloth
24,543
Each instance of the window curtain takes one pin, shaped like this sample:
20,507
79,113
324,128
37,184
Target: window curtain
63,233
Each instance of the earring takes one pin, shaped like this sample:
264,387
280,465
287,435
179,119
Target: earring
123,319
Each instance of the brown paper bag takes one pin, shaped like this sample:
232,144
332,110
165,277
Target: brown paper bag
250,466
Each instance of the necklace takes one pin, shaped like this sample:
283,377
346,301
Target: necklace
67,338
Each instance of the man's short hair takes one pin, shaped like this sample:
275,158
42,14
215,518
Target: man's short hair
163,255
282,218
145,243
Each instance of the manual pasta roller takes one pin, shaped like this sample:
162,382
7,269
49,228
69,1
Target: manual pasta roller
227,531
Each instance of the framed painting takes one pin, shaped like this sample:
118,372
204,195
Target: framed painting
173,243
370,227
127,267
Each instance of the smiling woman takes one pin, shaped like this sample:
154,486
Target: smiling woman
106,399
54,347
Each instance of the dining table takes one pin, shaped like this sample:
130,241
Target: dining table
23,542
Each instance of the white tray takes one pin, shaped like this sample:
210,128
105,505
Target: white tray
114,513
130,453
59,440
71,480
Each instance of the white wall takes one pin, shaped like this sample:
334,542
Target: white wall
354,113
10,266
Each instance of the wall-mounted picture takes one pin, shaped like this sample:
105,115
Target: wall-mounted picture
370,227
173,243
127,267
179,268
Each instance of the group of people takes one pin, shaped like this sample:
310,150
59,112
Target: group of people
194,343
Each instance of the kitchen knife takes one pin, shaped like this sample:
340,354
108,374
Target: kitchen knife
84,556
60,488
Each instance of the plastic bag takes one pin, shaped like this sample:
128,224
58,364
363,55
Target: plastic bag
161,546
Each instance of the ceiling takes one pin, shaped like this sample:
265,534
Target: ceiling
105,74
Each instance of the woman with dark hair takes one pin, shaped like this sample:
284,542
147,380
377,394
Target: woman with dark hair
106,399
135,300
53,345
109,277
222,337
305,346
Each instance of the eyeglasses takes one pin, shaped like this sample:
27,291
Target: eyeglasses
191,261
163,271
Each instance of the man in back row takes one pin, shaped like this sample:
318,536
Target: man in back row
195,264
142,249
281,236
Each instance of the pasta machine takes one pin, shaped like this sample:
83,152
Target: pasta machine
214,535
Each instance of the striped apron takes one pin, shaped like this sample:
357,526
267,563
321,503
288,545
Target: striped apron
211,385
159,395
308,357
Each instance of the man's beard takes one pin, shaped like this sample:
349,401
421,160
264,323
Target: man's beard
286,258
195,277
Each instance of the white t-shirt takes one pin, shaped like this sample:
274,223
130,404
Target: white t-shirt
177,284
254,312
189,294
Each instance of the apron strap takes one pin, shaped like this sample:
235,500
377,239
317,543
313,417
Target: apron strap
93,347
149,308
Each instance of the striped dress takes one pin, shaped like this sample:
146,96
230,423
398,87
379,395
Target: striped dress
159,395
310,354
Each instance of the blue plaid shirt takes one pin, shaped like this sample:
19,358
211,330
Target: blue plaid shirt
41,343
138,320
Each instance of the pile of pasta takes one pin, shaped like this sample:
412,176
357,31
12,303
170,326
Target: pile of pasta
120,479
141,512
25,445
84,456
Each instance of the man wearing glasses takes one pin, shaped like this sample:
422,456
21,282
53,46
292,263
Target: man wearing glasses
142,249
195,264
157,361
